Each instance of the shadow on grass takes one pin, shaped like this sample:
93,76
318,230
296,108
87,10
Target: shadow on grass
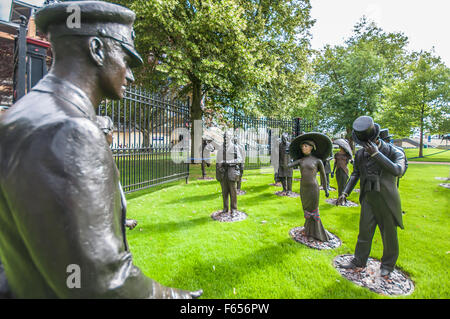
171,227
229,271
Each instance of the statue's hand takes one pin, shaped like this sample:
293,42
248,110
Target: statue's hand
196,294
131,223
370,147
327,193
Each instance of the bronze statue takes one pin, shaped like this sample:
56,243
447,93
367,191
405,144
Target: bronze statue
341,160
285,172
207,148
107,126
228,172
377,165
308,151
60,200
327,169
241,150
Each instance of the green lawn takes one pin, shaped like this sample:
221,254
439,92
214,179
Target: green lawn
429,155
178,244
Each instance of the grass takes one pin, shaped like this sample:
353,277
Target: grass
429,155
178,244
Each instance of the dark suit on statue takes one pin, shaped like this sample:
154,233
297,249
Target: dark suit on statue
60,202
380,201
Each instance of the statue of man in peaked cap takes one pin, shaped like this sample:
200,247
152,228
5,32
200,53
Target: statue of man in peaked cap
60,201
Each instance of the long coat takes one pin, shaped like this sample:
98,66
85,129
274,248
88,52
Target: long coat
60,202
380,174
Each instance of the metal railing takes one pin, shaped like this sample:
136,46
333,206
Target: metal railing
143,136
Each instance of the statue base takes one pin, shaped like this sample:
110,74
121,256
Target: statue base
445,185
442,178
276,184
395,284
227,217
331,189
349,203
240,192
287,194
206,178
298,234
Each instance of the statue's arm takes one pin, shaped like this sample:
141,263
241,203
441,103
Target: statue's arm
294,163
396,166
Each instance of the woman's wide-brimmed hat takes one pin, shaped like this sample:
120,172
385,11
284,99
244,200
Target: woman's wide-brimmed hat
345,146
323,145
364,130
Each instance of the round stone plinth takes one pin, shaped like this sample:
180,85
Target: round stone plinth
348,203
206,178
227,217
445,185
298,235
276,184
331,189
395,284
443,178
240,192
287,194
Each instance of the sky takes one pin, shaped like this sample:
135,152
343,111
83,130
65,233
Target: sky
426,23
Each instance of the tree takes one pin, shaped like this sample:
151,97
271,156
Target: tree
351,77
420,99
229,51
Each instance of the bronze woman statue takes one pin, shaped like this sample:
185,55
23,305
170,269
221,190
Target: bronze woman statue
341,160
309,150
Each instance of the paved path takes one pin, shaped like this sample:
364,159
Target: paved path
441,163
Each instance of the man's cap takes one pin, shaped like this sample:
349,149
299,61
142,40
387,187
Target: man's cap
384,134
90,18
364,129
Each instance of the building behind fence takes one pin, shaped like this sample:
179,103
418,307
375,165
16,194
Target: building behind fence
147,126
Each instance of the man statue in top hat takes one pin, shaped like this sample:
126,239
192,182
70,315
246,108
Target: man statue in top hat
62,229
377,165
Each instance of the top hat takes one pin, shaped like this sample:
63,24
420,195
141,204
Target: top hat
364,129
384,134
322,145
96,18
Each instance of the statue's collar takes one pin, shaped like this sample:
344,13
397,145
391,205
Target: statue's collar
68,92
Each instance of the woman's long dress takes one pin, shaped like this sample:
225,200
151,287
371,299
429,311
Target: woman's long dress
341,162
309,194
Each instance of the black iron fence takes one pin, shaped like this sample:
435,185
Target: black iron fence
147,126
151,133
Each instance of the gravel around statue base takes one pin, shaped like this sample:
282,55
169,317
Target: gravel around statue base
298,235
396,284
348,203
240,192
206,178
227,217
445,185
276,184
287,194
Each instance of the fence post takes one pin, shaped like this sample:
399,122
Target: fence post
189,152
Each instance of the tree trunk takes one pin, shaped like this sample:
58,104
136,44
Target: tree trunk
196,112
421,133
